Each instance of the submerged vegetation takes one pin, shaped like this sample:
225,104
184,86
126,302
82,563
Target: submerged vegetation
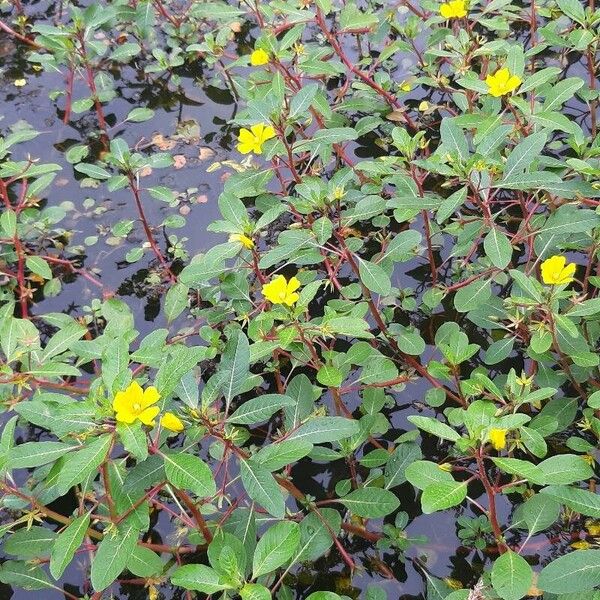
377,373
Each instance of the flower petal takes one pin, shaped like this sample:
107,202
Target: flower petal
291,299
147,416
293,285
126,416
172,422
151,396
257,130
121,401
245,147
267,134
246,136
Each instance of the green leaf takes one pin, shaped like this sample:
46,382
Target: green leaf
435,427
524,153
181,361
30,543
67,542
138,115
319,430
497,247
423,473
144,563
133,439
8,222
440,496
374,277
275,547
302,100
511,576
520,468
63,340
402,457
37,265
199,578
188,472
565,469
24,576
330,376
499,350
370,502
578,571
453,138
176,301
582,501
540,512
260,409
255,591
561,92
35,454
79,465
235,363
315,534
262,488
287,452
93,171
471,296
112,555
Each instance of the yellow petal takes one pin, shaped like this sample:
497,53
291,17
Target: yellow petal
120,401
125,416
259,57
568,272
293,284
257,130
147,416
245,147
171,422
513,83
275,290
291,299
446,11
245,136
242,239
151,396
551,269
268,133
502,76
497,438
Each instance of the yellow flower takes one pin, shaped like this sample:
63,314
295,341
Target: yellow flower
502,83
453,9
555,271
242,239
259,57
136,404
581,545
405,86
593,528
497,438
19,82
171,422
299,48
252,140
423,106
281,291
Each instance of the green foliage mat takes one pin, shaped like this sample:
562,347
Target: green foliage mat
395,333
